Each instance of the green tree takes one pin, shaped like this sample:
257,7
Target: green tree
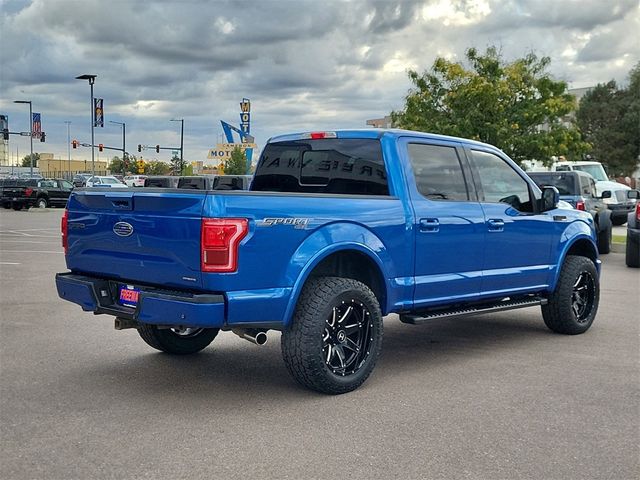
26,162
609,118
515,106
116,165
177,167
237,164
156,167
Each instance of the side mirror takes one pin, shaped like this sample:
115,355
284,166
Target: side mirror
550,198
606,194
633,194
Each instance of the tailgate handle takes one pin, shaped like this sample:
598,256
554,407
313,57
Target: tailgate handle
121,204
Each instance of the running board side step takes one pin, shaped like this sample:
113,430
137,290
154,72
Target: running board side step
416,319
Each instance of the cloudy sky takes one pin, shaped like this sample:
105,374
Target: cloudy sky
304,65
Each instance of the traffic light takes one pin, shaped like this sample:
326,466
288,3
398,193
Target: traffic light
42,137
139,147
74,143
100,147
157,148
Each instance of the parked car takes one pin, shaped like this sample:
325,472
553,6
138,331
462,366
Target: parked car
579,189
105,181
80,179
161,181
135,180
338,230
632,256
53,192
120,178
620,204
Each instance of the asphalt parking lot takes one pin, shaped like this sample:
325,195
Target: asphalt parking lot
489,397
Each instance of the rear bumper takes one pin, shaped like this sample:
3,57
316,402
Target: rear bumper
155,307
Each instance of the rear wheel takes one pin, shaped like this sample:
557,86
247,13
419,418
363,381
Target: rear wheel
42,203
632,256
573,305
177,341
17,207
604,239
335,337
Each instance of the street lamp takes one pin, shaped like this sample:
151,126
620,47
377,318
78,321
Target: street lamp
92,79
30,136
124,147
181,120
68,122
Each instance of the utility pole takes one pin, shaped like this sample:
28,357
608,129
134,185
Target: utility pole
124,145
181,120
30,136
92,79
69,148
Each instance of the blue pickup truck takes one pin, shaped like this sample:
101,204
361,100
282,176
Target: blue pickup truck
337,230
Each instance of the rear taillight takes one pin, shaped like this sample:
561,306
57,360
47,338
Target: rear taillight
64,230
580,205
219,243
638,211
28,191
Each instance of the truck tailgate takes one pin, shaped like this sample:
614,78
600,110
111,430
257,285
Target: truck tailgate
149,236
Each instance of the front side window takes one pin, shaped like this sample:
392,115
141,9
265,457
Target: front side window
438,172
500,183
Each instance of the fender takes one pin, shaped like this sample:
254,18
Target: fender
328,240
577,231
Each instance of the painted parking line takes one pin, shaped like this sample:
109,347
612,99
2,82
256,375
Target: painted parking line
10,263
4,252
2,240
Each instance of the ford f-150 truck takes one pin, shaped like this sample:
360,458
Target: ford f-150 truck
337,230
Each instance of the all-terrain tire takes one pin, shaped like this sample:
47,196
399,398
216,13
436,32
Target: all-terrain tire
604,240
169,341
573,305
335,337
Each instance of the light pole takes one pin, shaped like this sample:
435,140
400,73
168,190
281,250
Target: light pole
30,136
92,79
124,146
181,120
68,122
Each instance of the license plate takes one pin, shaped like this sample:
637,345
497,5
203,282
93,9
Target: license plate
129,296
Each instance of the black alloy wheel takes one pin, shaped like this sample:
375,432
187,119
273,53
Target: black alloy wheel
347,336
582,298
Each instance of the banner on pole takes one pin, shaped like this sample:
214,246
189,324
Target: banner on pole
37,124
98,112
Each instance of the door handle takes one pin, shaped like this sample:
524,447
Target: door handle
429,225
495,225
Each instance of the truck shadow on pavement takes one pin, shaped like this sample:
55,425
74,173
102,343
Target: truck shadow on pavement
233,371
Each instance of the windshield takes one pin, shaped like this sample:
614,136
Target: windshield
596,171
110,181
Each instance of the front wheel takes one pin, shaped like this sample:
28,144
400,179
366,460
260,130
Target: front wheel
177,341
573,305
335,337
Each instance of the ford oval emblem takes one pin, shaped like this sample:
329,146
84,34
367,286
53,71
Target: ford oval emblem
123,229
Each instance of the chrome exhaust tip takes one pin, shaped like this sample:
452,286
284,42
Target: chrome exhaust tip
253,335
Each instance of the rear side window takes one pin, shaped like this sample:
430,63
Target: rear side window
438,172
228,182
332,165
